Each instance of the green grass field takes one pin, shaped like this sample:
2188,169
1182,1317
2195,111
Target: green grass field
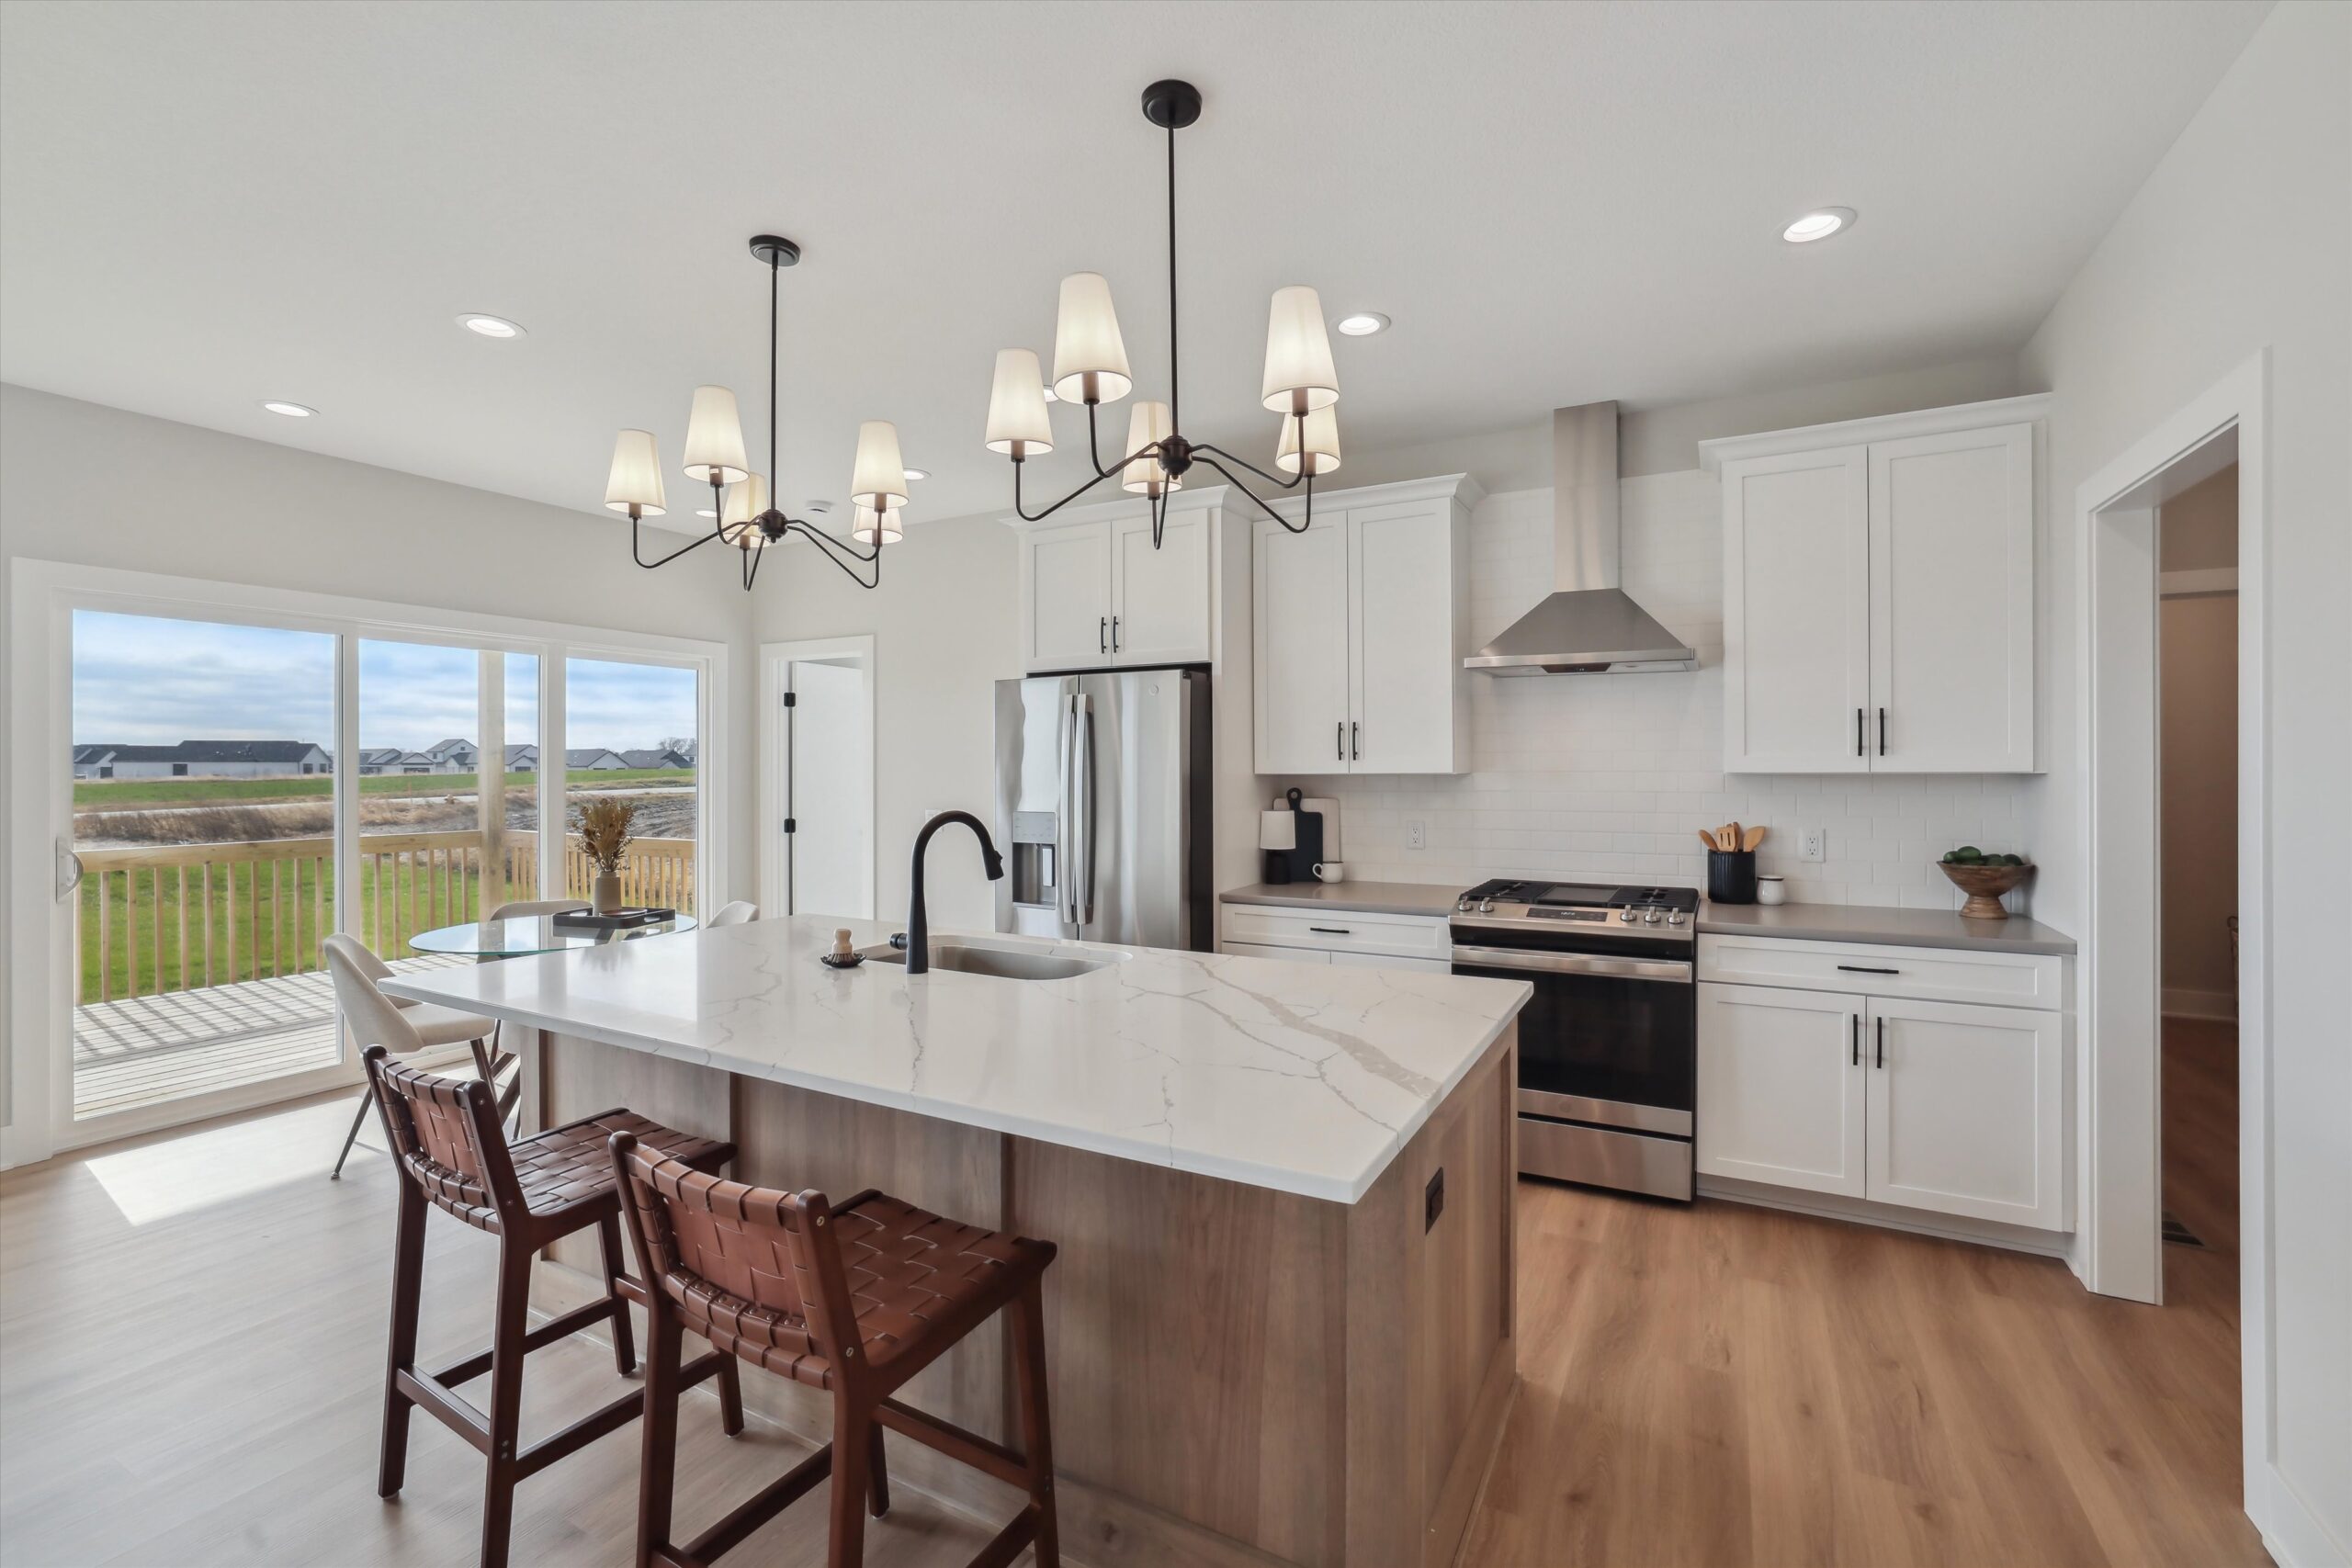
101,794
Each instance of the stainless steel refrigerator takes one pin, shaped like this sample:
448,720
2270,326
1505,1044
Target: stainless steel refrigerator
1103,807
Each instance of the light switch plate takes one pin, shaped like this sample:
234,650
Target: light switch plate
1417,834
1812,843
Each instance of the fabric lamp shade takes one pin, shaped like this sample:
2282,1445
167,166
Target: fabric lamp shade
1143,476
744,500
893,528
1322,443
1299,373
636,479
1087,342
1278,829
715,438
878,480
1017,424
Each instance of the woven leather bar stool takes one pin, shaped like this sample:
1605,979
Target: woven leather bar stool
853,1297
453,1154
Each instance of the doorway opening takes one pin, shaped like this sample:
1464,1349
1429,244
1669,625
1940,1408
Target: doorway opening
818,709
2197,717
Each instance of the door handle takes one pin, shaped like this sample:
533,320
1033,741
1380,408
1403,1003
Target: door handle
69,871
1882,1039
1103,636
1882,732
1114,648
1339,741
1082,893
1355,742
1857,732
1065,821
1856,1032
1866,969
1331,930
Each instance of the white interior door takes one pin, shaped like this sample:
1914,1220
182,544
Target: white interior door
1300,611
1951,602
1780,1086
832,759
1403,667
1966,1110
1796,613
1066,622
1159,598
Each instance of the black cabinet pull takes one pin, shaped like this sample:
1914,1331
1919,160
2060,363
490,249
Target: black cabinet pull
1103,636
1355,742
1857,1038
1866,969
1882,1040
1882,732
1881,740
1339,741
1858,722
1332,930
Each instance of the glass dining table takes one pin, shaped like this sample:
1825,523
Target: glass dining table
524,935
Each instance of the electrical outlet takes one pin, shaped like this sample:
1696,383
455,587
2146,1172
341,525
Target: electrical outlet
1417,834
1812,843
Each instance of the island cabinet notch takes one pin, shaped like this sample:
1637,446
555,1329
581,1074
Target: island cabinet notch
1238,1375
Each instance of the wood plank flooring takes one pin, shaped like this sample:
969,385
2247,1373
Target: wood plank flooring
191,1349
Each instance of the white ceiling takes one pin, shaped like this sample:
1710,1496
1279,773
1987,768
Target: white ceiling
205,206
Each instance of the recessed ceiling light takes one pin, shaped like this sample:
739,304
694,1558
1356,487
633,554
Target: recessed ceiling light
1818,224
292,410
918,473
705,511
1363,323
489,326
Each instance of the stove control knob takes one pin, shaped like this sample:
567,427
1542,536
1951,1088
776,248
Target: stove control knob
1461,906
1649,916
1485,906
1674,916
1626,915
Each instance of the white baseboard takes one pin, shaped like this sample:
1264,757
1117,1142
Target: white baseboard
2290,1528
2181,1002
1856,1211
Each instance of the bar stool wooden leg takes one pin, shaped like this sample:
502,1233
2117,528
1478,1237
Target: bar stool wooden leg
1036,1435
850,1455
878,1477
657,1470
408,1280
730,1398
609,1237
507,1351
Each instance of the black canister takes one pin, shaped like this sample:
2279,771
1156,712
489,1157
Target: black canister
1731,877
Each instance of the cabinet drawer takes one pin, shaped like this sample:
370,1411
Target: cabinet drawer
1920,973
1337,931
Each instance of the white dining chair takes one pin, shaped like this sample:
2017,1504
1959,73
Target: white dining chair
523,909
741,912
400,1026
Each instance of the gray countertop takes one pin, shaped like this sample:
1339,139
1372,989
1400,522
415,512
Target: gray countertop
1801,922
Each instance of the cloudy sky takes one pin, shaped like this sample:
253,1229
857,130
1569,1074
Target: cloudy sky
140,680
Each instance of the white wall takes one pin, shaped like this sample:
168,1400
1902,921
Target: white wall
2241,239
84,483
1612,775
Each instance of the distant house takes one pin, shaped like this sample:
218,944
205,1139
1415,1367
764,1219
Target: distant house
592,759
522,759
422,762
374,759
454,756
663,758
203,759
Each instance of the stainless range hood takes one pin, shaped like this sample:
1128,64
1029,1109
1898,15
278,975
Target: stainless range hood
1586,625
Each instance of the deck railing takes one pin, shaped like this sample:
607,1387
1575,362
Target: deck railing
183,917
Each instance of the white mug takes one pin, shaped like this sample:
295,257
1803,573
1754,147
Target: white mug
1330,870
1772,890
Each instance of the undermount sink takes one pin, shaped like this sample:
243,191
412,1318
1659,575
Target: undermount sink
1004,962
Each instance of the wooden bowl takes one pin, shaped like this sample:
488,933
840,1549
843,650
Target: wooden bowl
1984,885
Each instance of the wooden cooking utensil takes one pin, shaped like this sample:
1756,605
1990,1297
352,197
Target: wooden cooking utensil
1731,835
1708,838
1755,836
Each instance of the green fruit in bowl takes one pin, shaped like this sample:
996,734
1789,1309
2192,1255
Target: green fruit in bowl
1967,854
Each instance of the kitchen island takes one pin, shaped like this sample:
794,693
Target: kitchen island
1280,1326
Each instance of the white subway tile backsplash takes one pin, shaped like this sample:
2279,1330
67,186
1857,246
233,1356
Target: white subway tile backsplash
1613,774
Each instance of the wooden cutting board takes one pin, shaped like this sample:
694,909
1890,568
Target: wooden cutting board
1330,810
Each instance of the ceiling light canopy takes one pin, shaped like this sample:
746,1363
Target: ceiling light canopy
1363,324
918,473
1819,224
743,514
489,326
292,410
1090,366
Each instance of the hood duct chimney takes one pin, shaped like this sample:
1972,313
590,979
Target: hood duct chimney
1586,625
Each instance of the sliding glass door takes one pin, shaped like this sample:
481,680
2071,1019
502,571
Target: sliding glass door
631,736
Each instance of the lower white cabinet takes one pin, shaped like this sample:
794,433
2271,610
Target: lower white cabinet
1329,935
1949,1107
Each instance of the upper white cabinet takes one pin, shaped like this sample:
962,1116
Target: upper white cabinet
1094,592
1878,593
1358,625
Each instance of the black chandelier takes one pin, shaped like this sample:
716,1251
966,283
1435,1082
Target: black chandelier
738,498
1090,366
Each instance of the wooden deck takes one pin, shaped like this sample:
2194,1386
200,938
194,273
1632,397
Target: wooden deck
144,1049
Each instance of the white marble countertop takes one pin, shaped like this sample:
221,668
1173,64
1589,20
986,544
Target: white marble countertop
1301,1078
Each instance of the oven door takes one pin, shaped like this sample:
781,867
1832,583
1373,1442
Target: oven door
1607,1039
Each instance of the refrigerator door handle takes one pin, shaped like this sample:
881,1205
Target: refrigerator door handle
1082,808
1063,834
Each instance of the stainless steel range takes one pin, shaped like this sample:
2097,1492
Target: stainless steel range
1607,1049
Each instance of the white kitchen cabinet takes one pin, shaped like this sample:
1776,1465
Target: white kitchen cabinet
1780,1088
1966,1111
1341,935
1095,594
1359,628
1879,593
